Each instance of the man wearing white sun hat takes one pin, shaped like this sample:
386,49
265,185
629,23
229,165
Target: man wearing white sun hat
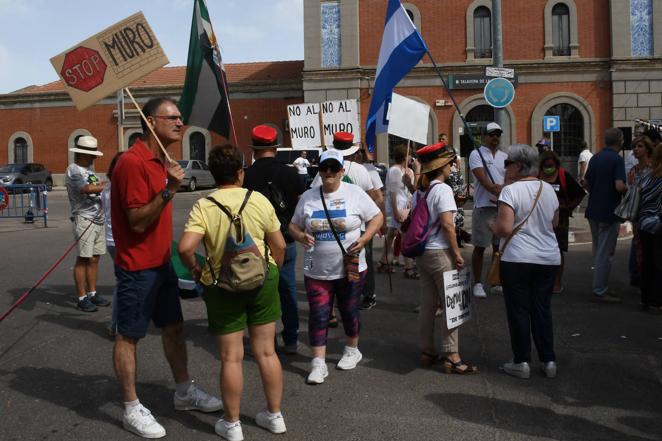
84,190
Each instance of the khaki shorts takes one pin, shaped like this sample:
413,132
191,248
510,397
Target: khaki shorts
93,241
481,235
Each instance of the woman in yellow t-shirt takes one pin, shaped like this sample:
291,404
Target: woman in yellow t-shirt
229,313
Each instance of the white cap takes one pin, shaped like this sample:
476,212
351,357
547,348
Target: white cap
492,127
332,154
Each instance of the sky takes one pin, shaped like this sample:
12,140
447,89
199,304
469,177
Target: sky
33,31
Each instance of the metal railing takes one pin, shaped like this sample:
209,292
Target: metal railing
25,201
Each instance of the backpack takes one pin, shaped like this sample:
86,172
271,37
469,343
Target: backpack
277,199
243,269
419,228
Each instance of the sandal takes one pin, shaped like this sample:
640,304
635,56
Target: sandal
411,273
457,367
333,321
429,360
383,267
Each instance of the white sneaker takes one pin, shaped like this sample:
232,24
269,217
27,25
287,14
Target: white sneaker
318,373
232,433
197,399
497,289
519,370
350,358
272,424
479,291
140,421
549,369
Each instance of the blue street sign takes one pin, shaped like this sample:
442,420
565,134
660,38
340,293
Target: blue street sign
499,92
551,123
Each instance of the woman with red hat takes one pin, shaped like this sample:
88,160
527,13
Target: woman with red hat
441,254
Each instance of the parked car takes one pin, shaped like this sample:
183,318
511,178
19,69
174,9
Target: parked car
196,174
31,173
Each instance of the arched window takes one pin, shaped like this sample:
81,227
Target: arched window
482,32
197,146
561,29
479,117
20,150
568,141
410,14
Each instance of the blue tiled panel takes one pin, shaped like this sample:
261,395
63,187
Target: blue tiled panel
641,27
330,24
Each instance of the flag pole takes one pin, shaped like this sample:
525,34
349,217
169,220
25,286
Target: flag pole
227,96
165,153
450,94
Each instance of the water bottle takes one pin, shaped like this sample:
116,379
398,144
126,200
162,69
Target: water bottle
308,258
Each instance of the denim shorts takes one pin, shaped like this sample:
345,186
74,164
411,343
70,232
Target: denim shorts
143,296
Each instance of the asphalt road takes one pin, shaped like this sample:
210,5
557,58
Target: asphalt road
57,382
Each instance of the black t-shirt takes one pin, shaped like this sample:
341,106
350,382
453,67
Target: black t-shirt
571,192
284,178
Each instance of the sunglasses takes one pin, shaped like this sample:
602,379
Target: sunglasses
507,162
169,117
497,134
334,167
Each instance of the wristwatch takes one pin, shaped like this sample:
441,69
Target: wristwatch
167,194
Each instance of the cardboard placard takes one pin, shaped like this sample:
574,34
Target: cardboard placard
457,297
337,116
109,60
408,119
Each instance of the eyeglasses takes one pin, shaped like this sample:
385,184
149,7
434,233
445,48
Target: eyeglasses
170,117
497,134
333,167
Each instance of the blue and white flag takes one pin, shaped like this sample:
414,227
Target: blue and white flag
402,48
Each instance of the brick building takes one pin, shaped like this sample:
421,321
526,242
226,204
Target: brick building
40,123
595,63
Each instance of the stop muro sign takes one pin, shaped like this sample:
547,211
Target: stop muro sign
83,68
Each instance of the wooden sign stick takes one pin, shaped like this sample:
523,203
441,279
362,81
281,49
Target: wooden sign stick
165,153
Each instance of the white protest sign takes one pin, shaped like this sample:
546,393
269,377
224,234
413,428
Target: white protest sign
304,125
109,60
457,297
337,116
408,119
340,116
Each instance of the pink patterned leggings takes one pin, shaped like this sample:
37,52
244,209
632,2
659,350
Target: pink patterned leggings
320,300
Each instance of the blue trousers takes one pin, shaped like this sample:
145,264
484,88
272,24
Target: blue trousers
604,236
287,288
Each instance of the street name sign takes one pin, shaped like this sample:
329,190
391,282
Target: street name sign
499,72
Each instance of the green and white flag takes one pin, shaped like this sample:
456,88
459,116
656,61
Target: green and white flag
204,101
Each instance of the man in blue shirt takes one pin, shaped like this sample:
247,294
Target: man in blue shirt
605,181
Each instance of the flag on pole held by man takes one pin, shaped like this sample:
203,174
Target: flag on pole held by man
402,48
204,101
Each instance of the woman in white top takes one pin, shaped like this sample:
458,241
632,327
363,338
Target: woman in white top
398,204
441,254
325,218
530,260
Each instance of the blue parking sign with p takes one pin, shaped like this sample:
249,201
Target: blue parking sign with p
551,123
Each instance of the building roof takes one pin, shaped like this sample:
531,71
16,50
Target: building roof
174,75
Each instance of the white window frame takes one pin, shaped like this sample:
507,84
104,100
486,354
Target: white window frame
574,36
471,44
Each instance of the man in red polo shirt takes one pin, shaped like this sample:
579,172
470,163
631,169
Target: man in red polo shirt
143,185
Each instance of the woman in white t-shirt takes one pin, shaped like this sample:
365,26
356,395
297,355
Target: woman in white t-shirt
530,260
348,207
442,254
397,202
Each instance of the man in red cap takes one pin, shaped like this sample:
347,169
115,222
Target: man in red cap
282,186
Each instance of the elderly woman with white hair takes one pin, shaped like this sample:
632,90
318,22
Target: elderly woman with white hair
528,211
